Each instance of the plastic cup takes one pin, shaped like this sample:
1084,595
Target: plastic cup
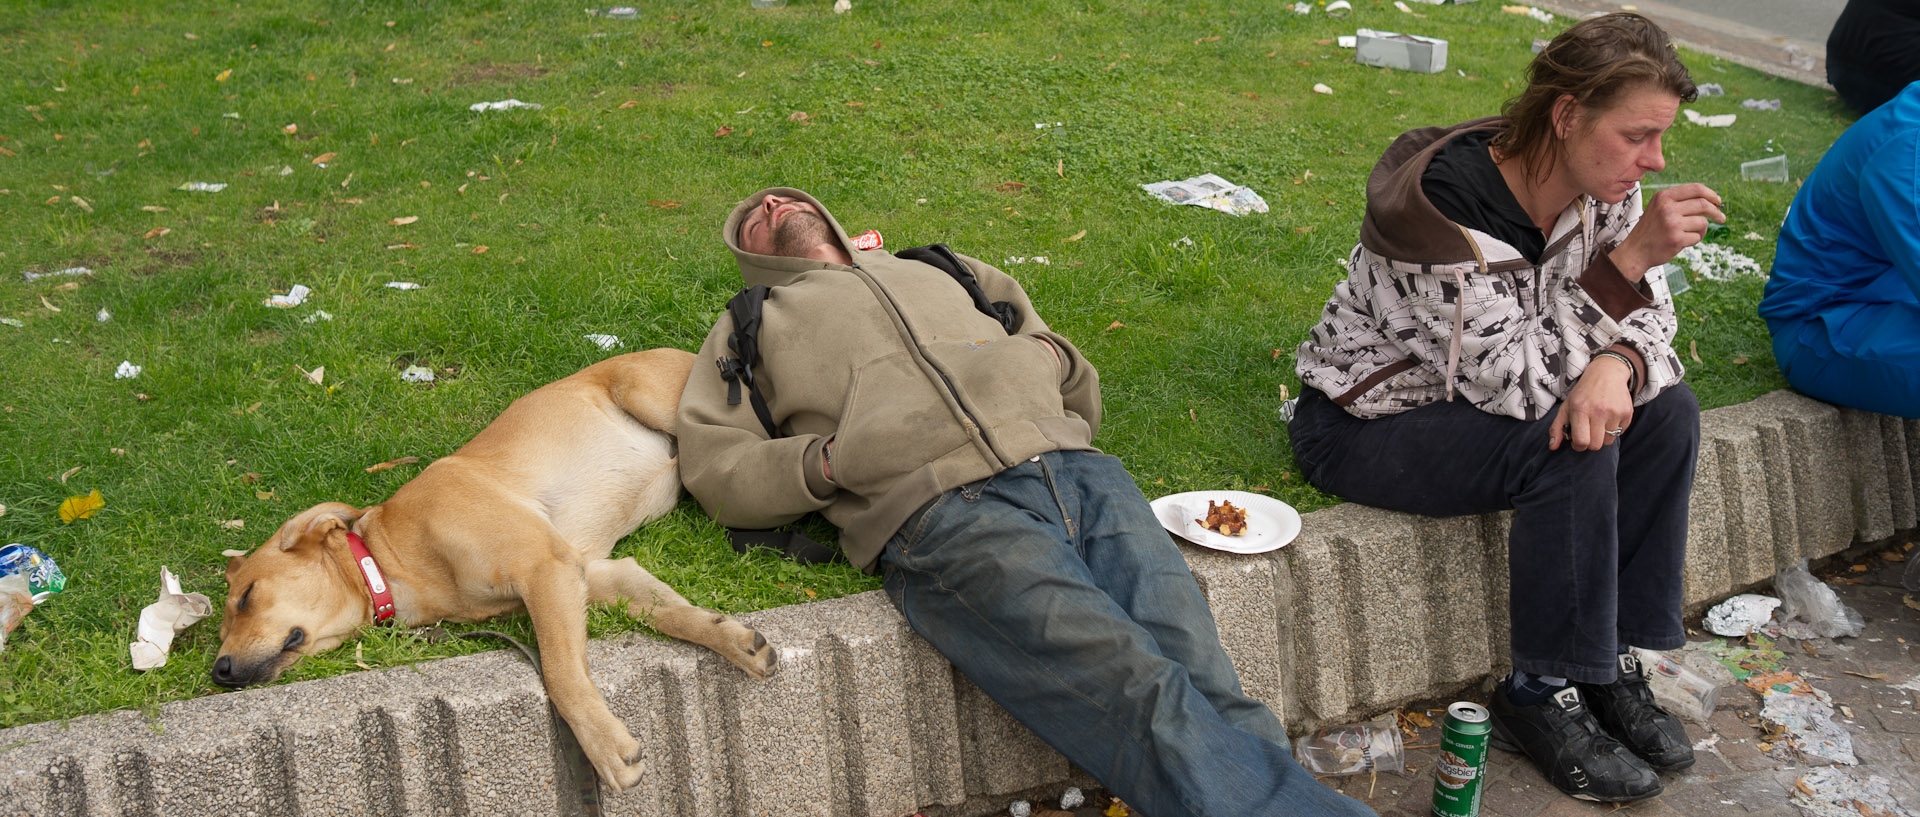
1354,748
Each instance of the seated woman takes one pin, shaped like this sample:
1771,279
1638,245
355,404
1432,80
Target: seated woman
1843,302
1503,341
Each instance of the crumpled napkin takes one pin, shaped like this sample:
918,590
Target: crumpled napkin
162,620
1741,614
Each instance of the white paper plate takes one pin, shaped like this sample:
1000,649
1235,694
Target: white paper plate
1271,524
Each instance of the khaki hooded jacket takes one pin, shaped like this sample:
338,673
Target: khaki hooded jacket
918,391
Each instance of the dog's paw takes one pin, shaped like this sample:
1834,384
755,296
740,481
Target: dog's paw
750,651
625,772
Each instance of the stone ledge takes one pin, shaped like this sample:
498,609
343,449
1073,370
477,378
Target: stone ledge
1367,610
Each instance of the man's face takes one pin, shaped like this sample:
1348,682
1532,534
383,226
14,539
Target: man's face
780,225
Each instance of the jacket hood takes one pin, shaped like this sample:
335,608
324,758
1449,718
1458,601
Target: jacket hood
774,270
1400,222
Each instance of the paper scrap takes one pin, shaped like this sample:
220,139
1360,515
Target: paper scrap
203,187
504,105
1339,8
1761,104
1710,89
606,342
1834,792
1716,121
842,6
1211,191
35,276
1022,259
1808,723
1322,88
402,285
126,371
318,315
13,322
294,297
103,316
172,613
417,374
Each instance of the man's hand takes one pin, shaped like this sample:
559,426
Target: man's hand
1675,218
1599,403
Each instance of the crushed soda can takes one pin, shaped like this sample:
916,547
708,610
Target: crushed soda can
43,576
869,240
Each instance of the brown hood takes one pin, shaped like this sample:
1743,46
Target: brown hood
1401,223
774,270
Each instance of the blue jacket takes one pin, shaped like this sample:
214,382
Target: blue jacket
1852,236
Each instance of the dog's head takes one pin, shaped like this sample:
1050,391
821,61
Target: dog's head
294,596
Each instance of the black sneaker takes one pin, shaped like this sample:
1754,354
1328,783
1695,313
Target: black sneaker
1625,708
1565,744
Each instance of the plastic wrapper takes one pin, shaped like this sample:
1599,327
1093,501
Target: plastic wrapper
1804,597
1680,689
1354,748
15,603
1741,614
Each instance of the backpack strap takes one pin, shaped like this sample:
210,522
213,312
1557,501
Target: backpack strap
943,258
744,308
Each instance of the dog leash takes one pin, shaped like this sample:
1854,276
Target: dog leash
585,780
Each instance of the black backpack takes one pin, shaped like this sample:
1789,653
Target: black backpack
738,370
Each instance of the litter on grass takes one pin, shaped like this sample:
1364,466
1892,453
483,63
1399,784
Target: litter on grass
1761,104
1339,8
1770,169
402,285
616,13
1022,259
126,371
1529,11
504,105
35,276
842,6
318,315
1715,262
1715,121
15,604
294,297
1406,52
417,374
1302,8
1834,792
1710,89
203,187
1210,191
1740,615
1323,88
606,342
43,576
170,614
13,322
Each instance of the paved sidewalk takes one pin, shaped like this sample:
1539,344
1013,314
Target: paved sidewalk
1734,775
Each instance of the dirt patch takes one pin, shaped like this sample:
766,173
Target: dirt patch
159,260
497,72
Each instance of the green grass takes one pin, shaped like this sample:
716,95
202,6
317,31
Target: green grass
600,213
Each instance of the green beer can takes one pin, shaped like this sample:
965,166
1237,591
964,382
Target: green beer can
1458,774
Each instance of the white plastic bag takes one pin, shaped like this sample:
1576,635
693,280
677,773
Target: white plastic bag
1804,597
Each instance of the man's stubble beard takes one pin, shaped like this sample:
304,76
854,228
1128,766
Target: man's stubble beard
800,232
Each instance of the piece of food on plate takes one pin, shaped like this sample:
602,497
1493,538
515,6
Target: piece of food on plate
1225,518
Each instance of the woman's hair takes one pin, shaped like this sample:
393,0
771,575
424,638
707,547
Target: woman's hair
1596,62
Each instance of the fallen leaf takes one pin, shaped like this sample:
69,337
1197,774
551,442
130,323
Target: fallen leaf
1010,187
628,104
1847,711
664,205
118,452
70,472
799,116
1803,787
1307,229
1693,350
1075,237
81,507
1213,39
1858,568
1739,361
232,524
81,203
1060,168
1764,746
404,221
48,304
157,232
263,495
324,158
1276,354
1910,601
389,464
249,477
291,128
1191,415
1113,326
403,246
154,208
480,249
723,131
1874,677
318,376
223,75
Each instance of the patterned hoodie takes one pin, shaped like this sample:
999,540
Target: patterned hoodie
1430,308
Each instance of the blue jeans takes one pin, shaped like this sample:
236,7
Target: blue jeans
1052,586
1599,538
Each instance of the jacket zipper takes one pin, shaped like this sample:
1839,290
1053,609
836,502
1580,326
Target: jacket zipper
975,430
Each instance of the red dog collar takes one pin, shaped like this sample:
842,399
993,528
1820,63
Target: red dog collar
376,583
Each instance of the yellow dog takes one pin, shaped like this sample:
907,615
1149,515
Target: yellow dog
521,517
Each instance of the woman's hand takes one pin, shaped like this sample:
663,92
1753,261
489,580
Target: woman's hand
1675,218
1598,404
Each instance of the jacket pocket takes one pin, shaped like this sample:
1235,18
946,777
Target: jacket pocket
894,422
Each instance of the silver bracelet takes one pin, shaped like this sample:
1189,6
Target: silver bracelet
1633,374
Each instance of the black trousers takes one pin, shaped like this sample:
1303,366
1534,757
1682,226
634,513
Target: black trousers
1598,538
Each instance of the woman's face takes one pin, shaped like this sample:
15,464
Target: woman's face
1607,151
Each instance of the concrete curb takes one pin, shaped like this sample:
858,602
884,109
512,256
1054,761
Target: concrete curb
1366,610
